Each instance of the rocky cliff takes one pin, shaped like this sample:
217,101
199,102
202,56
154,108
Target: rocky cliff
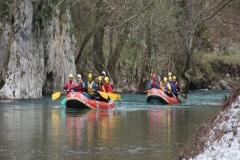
36,54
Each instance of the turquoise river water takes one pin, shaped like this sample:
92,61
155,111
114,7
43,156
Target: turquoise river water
44,130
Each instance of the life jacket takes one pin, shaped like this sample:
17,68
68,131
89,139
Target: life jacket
173,88
108,88
167,87
176,85
161,85
154,85
100,87
80,87
69,85
90,88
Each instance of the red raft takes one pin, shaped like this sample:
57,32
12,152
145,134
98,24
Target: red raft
158,94
80,101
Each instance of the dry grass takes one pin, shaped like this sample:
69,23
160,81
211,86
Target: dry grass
228,59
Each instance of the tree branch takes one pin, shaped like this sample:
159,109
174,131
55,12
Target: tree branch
202,15
129,19
57,6
83,44
227,22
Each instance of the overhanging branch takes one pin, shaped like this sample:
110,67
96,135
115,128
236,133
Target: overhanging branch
129,19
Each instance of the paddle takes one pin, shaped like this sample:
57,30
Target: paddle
114,96
56,95
64,101
103,94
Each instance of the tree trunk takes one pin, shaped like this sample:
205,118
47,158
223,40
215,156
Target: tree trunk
101,19
113,59
146,64
110,41
83,44
181,14
97,49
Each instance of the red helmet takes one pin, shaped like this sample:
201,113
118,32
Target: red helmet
154,77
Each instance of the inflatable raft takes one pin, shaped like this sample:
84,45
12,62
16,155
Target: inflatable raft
158,94
78,100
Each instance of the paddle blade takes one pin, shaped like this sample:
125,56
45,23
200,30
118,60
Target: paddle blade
103,95
119,96
114,96
56,95
64,101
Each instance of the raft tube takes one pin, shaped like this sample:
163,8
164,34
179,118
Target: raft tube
158,94
78,100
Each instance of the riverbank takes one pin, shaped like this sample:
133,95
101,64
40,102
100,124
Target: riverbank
222,84
218,138
214,70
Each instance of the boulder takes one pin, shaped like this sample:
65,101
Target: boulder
224,84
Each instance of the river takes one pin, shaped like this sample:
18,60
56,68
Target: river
43,129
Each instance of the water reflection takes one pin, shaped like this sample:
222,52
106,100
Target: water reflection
165,123
93,125
119,132
39,131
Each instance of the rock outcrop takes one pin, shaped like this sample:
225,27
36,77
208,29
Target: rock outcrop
36,55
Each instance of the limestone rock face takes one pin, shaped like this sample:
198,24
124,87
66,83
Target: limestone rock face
41,54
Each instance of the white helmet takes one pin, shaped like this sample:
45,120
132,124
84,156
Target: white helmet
79,76
104,73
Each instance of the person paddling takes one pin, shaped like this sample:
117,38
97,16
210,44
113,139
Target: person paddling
90,86
153,83
103,76
176,85
107,86
167,87
173,88
69,85
100,88
100,85
80,84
